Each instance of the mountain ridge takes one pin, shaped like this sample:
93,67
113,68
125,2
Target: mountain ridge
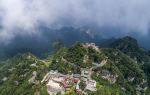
18,73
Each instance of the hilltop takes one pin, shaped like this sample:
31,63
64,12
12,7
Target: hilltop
92,70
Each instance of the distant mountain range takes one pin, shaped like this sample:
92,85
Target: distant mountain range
43,41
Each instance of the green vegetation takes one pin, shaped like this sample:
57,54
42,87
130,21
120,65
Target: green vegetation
82,85
127,64
18,71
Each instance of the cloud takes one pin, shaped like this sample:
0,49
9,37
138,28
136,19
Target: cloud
30,14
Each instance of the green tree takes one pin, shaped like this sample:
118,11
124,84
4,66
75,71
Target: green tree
82,85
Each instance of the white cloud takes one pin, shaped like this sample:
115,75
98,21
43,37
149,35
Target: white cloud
29,14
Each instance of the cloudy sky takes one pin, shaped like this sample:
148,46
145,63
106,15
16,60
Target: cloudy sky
132,15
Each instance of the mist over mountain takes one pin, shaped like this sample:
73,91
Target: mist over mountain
33,25
42,42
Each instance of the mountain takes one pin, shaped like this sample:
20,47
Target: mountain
118,64
130,47
42,42
15,74
115,70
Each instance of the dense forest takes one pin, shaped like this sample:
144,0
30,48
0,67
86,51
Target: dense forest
127,62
